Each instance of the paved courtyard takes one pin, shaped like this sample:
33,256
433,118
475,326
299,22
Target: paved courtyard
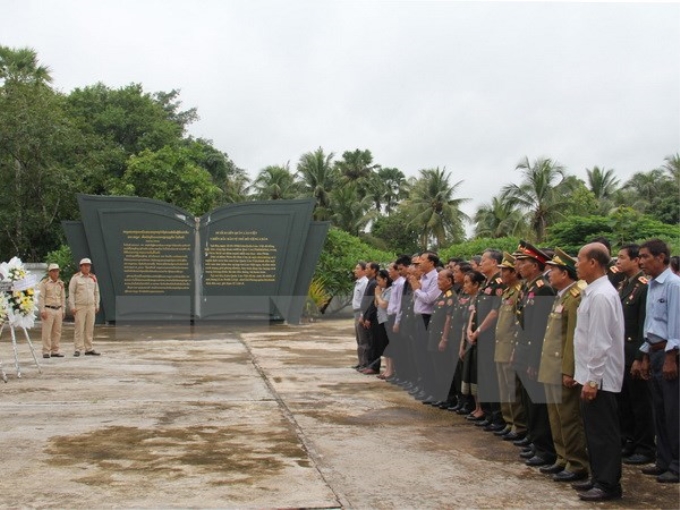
248,416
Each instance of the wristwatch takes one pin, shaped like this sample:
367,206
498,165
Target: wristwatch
592,384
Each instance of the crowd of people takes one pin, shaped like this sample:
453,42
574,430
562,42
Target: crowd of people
574,359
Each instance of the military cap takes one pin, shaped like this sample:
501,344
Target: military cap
85,261
526,250
508,261
52,267
563,260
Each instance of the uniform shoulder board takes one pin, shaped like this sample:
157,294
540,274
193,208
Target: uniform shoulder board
540,283
448,293
643,280
43,280
581,284
575,291
499,280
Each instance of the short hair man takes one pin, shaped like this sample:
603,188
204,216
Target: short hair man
360,282
598,353
660,359
52,306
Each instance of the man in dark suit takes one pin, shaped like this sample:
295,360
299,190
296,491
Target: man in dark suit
635,400
369,320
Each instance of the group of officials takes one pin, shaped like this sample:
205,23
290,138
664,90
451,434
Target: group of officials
83,301
573,359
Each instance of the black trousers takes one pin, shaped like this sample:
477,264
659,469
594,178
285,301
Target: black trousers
422,356
603,437
538,422
636,415
666,401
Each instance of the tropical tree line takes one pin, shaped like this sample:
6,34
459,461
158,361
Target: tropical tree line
126,141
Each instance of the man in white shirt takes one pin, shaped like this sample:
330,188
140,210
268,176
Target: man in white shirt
599,360
357,296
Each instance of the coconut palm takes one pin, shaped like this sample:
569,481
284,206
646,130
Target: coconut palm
275,183
21,66
499,219
351,213
541,194
603,183
317,177
356,165
435,211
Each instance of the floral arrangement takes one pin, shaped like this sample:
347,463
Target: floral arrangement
18,303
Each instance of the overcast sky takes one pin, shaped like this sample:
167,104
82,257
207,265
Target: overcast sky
470,86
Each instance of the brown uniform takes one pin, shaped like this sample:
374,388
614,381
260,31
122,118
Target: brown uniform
557,358
52,307
83,296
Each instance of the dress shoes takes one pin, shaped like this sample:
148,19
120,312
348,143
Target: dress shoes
57,355
464,410
551,470
484,423
653,471
495,427
583,486
76,354
429,401
95,353
505,431
569,476
514,436
536,461
597,494
443,405
414,390
527,454
46,355
638,458
525,441
668,477
423,396
453,408
356,367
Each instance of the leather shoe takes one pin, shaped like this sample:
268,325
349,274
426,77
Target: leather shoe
653,471
569,476
495,427
46,355
429,401
668,477
527,454
583,486
637,458
57,355
473,418
484,423
597,494
464,410
76,354
95,353
514,436
505,431
525,441
536,461
551,470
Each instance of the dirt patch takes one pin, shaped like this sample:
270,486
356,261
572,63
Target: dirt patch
236,454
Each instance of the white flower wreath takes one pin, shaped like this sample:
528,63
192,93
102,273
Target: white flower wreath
18,303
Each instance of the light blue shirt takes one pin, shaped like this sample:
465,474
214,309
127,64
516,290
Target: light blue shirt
427,294
663,311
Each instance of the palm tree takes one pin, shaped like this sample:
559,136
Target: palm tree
394,188
21,66
275,183
356,165
318,177
350,213
672,166
499,219
542,194
435,211
236,186
603,183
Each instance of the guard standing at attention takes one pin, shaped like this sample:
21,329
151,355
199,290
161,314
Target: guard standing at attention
83,299
52,307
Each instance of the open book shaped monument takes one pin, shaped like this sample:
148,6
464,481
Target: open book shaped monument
156,262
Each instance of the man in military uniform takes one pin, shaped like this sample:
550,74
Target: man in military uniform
83,299
52,307
533,308
486,312
635,400
511,408
556,372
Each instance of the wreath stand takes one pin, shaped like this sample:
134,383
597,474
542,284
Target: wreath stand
12,330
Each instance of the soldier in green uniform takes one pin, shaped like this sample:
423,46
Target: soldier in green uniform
533,309
506,332
556,372
635,400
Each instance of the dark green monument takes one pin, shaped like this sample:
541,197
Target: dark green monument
156,262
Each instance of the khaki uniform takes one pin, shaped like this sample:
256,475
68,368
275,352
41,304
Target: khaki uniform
506,333
557,358
83,296
52,306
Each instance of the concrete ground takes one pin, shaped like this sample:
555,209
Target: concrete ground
247,416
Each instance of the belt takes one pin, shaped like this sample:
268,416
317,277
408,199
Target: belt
657,346
53,307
